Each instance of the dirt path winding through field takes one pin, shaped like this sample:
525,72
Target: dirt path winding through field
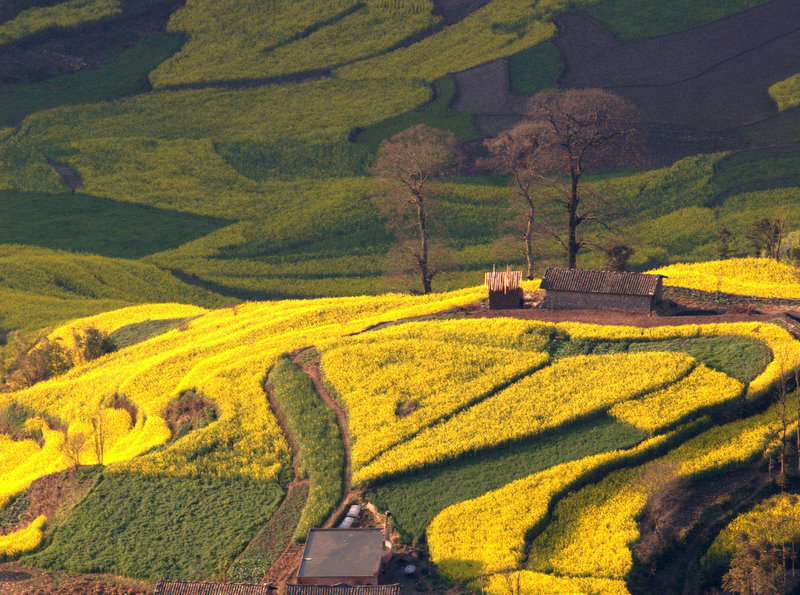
308,362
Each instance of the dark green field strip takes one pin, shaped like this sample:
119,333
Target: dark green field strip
261,553
124,74
294,160
415,501
160,527
82,223
758,169
319,440
739,357
535,69
633,19
436,113
131,334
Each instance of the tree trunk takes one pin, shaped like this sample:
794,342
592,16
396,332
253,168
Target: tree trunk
528,242
422,259
572,221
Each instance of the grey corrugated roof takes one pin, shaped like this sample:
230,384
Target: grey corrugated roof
342,553
342,590
583,281
189,588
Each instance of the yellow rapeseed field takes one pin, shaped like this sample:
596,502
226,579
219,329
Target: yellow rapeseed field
758,277
22,540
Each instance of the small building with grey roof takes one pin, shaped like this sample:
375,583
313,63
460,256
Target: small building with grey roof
350,556
577,289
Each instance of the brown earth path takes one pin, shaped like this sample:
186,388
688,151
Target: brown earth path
695,308
308,362
70,177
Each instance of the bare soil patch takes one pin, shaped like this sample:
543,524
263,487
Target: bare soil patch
485,92
16,579
52,492
71,177
688,524
689,78
687,309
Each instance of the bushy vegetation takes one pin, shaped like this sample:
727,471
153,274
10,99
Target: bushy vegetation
165,527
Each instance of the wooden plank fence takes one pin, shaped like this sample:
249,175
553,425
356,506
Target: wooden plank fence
504,281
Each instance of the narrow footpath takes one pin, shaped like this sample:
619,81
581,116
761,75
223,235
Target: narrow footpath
308,362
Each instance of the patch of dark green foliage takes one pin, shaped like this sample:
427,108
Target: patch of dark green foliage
535,69
160,527
319,441
436,113
131,334
415,501
261,553
106,227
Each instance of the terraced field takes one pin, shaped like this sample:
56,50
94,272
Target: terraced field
449,419
173,175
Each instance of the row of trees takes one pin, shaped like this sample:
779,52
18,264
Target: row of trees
545,156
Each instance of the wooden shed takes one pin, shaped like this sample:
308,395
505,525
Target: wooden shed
505,289
349,556
568,289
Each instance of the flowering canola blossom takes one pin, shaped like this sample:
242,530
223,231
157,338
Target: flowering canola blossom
757,277
570,389
23,540
223,353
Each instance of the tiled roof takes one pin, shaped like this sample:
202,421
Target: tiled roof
583,281
185,588
342,590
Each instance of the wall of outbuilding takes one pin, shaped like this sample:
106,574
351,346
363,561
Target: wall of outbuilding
571,300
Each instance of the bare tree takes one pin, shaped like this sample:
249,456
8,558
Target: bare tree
585,127
98,421
405,165
72,446
767,236
515,153
756,568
